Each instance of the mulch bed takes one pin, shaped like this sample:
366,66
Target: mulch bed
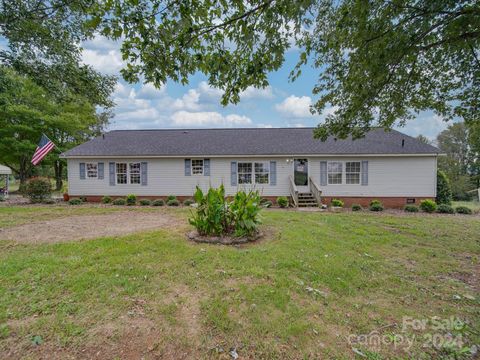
224,240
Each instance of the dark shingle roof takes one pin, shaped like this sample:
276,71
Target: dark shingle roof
260,141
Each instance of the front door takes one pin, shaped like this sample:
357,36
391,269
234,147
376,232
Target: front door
300,174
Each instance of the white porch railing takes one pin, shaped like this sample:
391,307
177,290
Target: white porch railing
293,191
315,190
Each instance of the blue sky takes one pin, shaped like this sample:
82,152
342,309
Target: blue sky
282,104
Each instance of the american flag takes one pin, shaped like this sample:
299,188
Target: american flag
44,147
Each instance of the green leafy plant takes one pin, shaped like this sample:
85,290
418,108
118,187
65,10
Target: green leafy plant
463,210
445,209
158,202
215,215
119,201
49,201
188,202
444,190
173,202
131,199
75,201
357,207
106,199
38,189
2,198
337,203
145,202
376,205
171,197
267,204
282,201
411,208
428,206
83,199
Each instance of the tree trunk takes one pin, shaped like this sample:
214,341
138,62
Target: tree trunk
23,170
58,166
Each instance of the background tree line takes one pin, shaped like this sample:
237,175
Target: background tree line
461,163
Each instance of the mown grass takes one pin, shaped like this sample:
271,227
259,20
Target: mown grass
368,271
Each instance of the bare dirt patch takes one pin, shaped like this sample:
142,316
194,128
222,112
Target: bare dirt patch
89,227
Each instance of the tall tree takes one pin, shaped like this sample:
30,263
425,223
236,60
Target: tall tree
379,62
461,160
27,111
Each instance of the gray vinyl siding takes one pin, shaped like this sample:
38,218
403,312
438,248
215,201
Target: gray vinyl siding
387,176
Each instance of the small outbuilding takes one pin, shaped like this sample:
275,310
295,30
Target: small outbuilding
5,173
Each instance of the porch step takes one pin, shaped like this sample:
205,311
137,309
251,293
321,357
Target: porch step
307,200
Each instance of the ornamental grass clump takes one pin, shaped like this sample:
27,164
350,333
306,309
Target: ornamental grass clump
217,216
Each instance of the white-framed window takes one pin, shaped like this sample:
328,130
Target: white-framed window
122,175
352,172
134,173
334,171
253,173
197,166
128,173
262,172
92,170
244,173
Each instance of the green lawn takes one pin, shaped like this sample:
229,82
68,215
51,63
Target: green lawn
302,292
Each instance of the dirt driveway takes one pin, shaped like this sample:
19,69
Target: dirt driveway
79,227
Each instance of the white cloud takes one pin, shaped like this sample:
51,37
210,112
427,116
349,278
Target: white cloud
294,106
208,118
108,63
208,91
149,91
189,101
255,93
427,124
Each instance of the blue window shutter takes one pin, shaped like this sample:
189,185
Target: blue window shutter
364,173
82,171
233,173
111,168
273,173
101,171
206,167
187,167
144,173
323,173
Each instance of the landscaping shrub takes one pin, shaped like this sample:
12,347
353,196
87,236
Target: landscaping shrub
145,202
158,202
119,202
173,202
188,202
75,201
444,190
49,201
282,201
131,199
83,198
2,198
445,209
356,207
411,208
38,189
337,203
267,204
376,205
106,199
171,197
463,210
428,206
215,215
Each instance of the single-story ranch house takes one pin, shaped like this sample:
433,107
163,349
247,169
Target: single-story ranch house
389,166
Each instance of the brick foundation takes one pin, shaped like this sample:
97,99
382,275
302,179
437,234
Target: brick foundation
388,202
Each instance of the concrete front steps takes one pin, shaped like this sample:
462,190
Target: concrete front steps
307,200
